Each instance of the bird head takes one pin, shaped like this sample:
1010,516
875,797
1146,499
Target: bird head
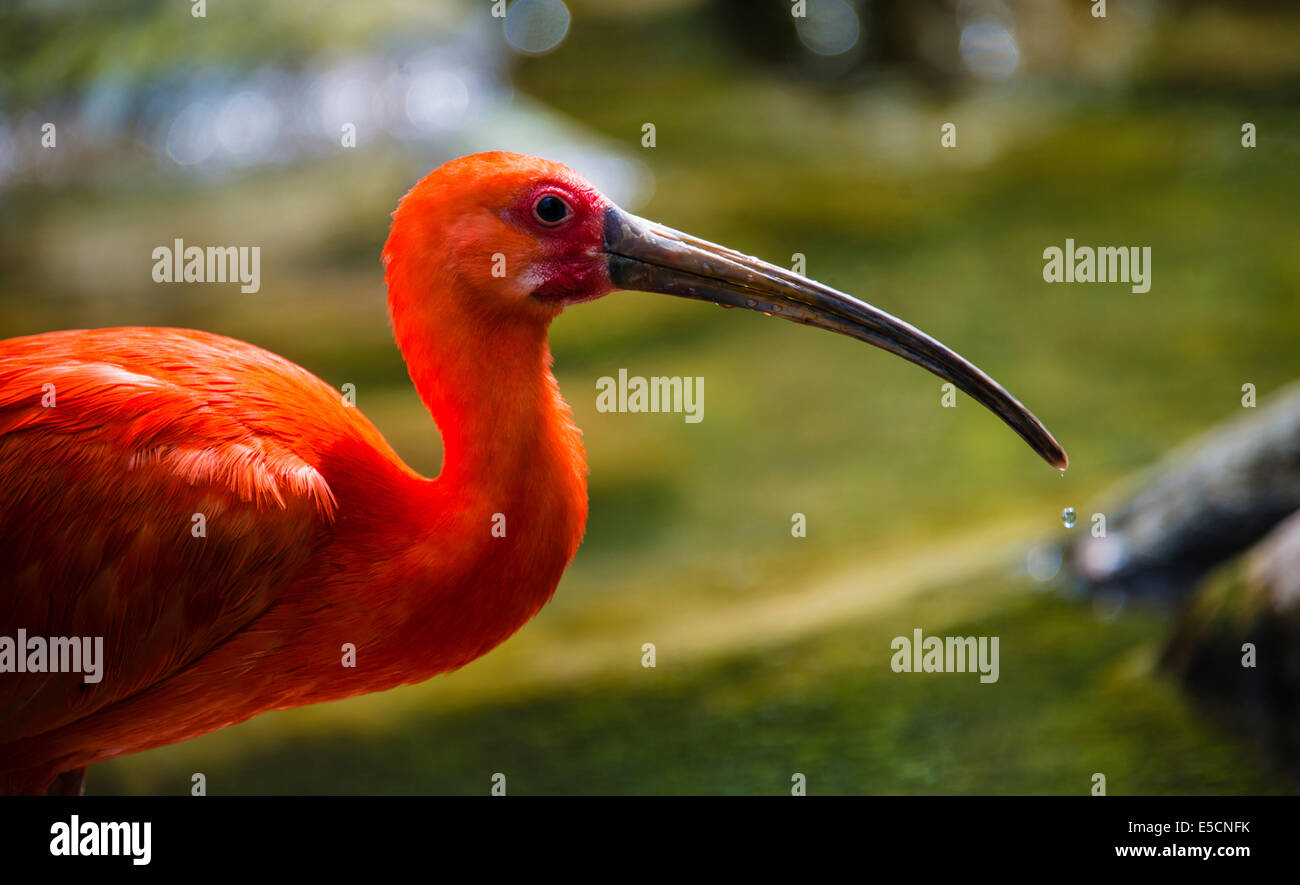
515,239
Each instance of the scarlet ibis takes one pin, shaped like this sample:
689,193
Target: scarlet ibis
317,539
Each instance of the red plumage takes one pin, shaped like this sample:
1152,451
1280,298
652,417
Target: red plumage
317,534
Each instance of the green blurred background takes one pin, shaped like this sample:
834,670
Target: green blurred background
772,651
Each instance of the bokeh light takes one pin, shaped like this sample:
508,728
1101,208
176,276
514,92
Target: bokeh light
537,26
830,27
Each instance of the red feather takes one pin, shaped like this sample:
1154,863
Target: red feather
317,534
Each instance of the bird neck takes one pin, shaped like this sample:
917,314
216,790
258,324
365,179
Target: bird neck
494,532
505,427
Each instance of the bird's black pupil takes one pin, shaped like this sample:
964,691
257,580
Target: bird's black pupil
551,209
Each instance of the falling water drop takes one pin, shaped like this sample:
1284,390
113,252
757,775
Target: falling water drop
1067,517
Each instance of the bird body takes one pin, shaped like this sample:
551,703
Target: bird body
315,535
237,532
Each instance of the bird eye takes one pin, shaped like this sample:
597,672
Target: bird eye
551,210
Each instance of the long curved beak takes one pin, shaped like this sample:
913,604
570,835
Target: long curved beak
648,257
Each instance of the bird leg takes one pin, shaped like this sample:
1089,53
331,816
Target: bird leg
69,783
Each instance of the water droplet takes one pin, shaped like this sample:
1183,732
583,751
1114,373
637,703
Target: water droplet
1067,517
1062,474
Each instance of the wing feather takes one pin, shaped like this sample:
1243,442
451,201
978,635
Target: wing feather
151,494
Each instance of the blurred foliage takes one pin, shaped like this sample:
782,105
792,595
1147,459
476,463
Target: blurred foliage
1075,697
56,49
